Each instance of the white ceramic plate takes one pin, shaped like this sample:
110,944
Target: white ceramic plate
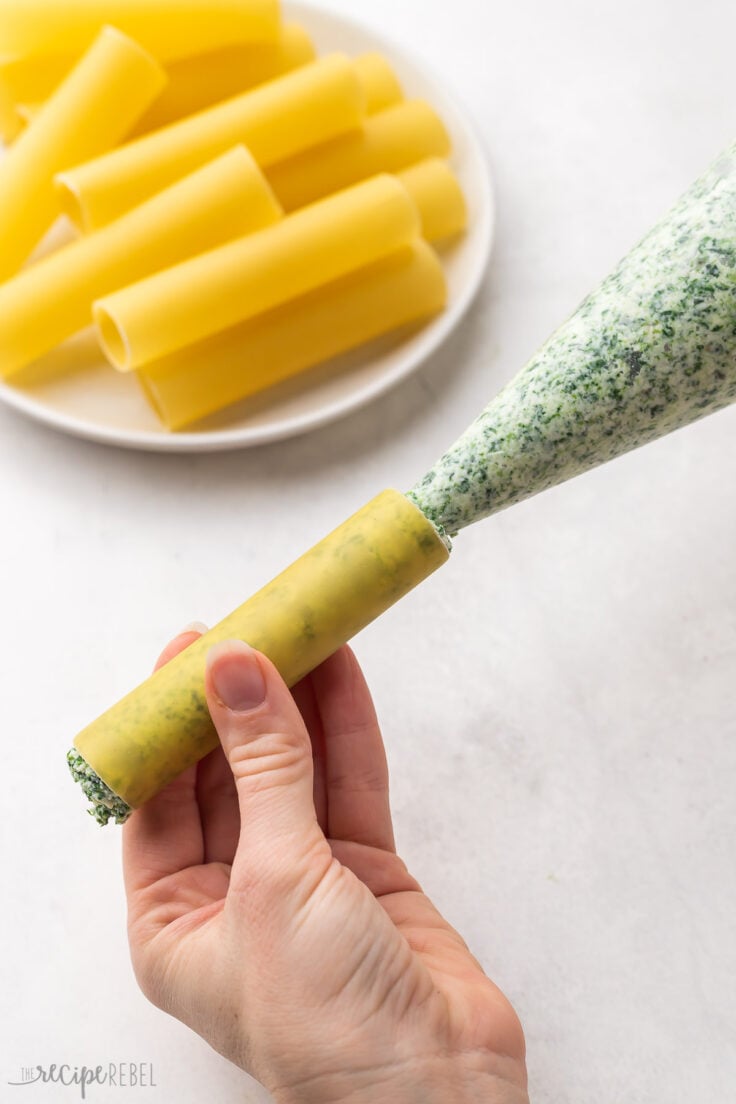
75,391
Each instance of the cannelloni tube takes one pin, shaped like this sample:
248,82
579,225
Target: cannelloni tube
199,81
51,300
299,619
16,121
402,288
301,109
406,287
209,293
438,196
195,82
11,120
91,111
24,81
32,79
168,28
388,141
380,83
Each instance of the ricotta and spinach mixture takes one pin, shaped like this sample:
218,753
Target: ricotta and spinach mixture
104,804
652,349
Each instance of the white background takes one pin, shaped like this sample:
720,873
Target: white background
559,703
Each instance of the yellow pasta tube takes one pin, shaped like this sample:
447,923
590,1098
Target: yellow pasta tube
32,79
387,142
51,300
168,28
439,198
195,82
91,110
291,113
18,86
300,618
11,120
201,80
380,83
25,114
406,287
207,294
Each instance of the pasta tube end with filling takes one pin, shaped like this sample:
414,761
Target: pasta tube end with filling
104,804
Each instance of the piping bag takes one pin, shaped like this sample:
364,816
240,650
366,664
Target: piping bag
650,350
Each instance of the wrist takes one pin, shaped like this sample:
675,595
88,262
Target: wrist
467,1079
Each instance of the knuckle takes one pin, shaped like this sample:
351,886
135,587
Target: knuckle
270,758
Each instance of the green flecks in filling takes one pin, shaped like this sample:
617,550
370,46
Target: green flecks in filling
650,350
106,805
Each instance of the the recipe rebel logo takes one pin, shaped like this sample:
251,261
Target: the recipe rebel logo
118,1075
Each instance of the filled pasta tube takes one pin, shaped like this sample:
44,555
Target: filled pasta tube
327,596
168,28
301,109
388,141
406,287
51,300
90,112
209,293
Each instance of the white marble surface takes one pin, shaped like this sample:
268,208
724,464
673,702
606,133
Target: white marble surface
562,738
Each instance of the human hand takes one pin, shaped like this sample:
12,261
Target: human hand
268,910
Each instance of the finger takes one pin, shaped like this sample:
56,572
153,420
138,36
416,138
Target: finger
303,694
383,872
186,637
356,770
218,807
267,746
165,834
440,946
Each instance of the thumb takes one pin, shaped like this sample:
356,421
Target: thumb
269,751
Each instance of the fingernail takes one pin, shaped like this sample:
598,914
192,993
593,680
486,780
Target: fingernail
195,626
236,676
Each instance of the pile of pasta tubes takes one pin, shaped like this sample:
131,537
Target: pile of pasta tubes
243,209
